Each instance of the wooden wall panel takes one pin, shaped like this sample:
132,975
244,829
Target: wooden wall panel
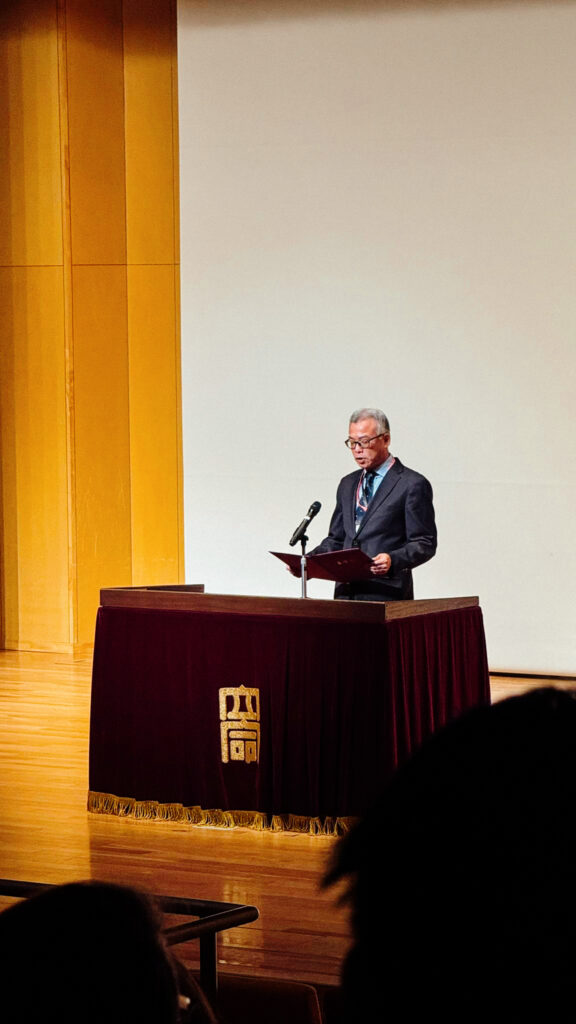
155,450
34,458
30,196
175,141
90,496
8,463
149,45
95,78
153,318
102,438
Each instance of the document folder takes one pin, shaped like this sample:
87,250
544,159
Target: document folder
339,566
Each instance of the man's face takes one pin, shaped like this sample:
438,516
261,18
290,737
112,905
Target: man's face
377,451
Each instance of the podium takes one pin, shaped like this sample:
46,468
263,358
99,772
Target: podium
270,712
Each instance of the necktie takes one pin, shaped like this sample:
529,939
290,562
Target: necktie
364,497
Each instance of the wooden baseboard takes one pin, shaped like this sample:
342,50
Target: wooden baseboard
84,650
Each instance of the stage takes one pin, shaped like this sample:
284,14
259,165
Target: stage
47,835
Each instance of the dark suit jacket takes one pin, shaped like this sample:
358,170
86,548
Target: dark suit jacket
399,520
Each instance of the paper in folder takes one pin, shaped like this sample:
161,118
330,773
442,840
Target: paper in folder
339,566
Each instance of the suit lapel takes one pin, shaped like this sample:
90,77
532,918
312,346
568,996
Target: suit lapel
386,487
349,506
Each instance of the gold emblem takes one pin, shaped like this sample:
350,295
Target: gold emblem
240,723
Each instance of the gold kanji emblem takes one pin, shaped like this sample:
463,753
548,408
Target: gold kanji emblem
240,723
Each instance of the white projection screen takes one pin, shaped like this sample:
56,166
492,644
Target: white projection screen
378,207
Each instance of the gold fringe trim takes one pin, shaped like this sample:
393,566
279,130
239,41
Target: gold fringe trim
151,810
311,826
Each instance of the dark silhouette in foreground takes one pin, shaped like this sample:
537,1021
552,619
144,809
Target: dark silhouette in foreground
462,877
92,952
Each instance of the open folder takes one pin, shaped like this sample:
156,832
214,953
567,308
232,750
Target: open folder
340,566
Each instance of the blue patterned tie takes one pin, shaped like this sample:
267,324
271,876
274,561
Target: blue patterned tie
364,497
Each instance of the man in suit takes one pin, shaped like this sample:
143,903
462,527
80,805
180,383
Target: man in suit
385,509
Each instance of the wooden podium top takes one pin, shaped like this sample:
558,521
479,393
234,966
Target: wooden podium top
191,598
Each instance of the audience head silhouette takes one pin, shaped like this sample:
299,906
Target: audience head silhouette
461,878
86,952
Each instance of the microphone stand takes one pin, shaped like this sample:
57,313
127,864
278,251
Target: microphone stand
303,575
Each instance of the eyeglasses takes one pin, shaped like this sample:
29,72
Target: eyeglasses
351,443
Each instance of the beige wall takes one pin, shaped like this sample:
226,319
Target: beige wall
89,277
379,209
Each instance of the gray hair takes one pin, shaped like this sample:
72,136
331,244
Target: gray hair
372,414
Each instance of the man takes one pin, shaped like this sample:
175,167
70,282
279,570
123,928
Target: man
385,509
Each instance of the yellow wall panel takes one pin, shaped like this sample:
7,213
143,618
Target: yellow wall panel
149,45
8,462
96,131
102,438
89,495
34,450
176,146
154,426
30,184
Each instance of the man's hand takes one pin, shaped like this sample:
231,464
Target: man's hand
381,564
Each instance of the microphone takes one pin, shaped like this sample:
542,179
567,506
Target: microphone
301,530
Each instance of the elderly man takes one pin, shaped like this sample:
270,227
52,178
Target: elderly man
385,509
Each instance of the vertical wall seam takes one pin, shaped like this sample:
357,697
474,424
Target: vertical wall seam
176,284
68,296
127,301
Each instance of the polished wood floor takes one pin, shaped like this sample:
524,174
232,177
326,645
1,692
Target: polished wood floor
46,834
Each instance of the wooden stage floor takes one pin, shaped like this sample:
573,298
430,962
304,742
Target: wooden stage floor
46,834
